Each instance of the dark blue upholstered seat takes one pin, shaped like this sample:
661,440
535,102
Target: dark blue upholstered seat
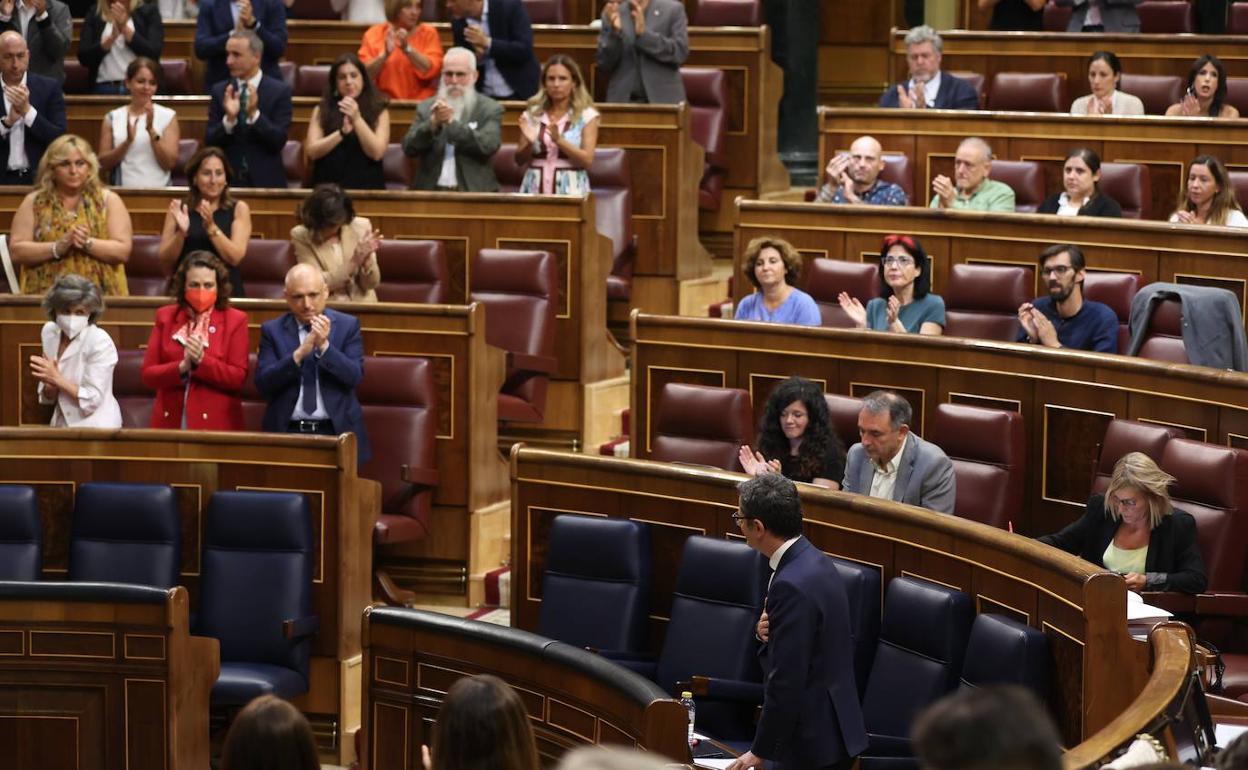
1003,651
126,533
21,533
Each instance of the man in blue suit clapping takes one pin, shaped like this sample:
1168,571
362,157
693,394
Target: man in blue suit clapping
249,115
34,112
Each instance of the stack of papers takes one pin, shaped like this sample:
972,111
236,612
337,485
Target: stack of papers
1138,611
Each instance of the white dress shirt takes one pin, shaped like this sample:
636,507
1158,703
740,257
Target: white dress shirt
253,92
89,360
885,478
17,133
119,55
495,84
930,89
320,413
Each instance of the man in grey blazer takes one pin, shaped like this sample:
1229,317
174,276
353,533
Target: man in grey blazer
47,28
641,47
456,132
893,463
1102,15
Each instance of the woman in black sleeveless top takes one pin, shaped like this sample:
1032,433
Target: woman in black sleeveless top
349,129
209,219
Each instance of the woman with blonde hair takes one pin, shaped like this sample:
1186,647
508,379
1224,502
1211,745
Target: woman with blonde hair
71,223
1207,197
558,132
1133,529
114,34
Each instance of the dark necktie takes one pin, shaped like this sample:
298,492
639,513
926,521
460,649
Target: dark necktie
244,98
309,380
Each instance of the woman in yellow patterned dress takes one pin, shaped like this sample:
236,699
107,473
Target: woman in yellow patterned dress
71,223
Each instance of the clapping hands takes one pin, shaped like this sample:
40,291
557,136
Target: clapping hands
755,464
181,216
854,309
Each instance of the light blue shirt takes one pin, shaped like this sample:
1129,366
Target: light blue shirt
495,85
799,308
320,413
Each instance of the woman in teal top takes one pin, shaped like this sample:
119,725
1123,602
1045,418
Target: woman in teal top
906,303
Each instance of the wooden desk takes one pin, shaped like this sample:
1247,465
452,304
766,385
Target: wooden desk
1155,251
1066,398
572,696
343,508
930,138
102,678
1097,668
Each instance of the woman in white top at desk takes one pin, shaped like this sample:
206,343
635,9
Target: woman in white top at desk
75,371
139,142
1104,75
1207,197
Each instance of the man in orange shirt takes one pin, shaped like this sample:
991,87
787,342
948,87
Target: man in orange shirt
402,55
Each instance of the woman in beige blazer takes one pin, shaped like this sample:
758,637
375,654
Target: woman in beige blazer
342,245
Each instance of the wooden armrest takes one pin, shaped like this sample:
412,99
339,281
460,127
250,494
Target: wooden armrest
1234,604
532,363
425,476
298,628
395,596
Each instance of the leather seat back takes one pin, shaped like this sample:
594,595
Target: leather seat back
596,587
1163,339
1025,178
1125,436
126,533
21,533
1237,88
186,149
1157,92
1211,483
254,404
1237,20
827,278
981,301
77,77
1128,184
987,448
701,425
727,13
1163,17
844,411
135,399
175,77
899,171
612,186
862,589
293,163
510,174
397,168
1028,92
1003,651
413,271
1115,290
544,11
1239,179
976,80
311,79
265,266
144,273
1056,17
706,90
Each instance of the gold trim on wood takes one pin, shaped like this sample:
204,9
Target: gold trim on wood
1044,450
451,435
653,401
111,637
125,646
407,673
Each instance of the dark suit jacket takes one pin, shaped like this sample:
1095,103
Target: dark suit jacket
216,22
954,94
476,138
340,369
49,104
655,56
811,717
258,144
1172,549
149,37
1100,205
48,40
511,47
1116,15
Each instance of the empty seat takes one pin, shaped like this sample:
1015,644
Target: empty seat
126,533
315,9
256,593
898,170
254,405
987,449
701,425
1003,651
293,162
175,77
1163,339
519,290
186,149
1211,483
1025,178
827,278
1237,92
982,301
862,589
21,533
976,80
1056,18
144,273
264,268
844,411
1125,436
1160,17
397,168
1237,20
77,78
1028,92
413,271
509,173
544,11
596,585
727,13
1129,184
134,398
1157,92
1115,290
1239,181
612,186
706,90
311,79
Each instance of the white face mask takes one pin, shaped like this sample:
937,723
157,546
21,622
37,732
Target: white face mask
71,325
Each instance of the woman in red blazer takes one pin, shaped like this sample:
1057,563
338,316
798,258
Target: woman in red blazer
197,354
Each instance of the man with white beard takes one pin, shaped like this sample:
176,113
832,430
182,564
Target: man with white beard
457,131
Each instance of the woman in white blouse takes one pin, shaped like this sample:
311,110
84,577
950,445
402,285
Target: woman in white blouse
139,142
1104,75
114,34
75,371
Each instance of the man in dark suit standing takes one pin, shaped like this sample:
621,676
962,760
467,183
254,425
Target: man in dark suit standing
47,27
311,360
218,19
641,47
928,87
811,717
500,34
34,112
249,115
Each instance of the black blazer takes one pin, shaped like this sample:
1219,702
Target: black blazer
1172,549
49,104
954,94
511,46
1099,205
149,37
255,151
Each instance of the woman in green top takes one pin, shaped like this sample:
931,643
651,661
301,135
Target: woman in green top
906,303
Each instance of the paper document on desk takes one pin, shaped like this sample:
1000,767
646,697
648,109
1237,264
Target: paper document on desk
1224,733
1138,610
717,764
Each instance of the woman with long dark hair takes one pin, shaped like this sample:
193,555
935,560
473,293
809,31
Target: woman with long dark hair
208,219
1206,92
1082,196
795,437
1207,197
349,129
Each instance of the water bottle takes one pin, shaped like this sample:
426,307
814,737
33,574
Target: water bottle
686,700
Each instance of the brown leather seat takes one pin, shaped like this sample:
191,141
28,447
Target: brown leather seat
612,186
1239,182
1237,93
981,301
1056,18
413,271
292,160
1130,185
898,170
134,398
311,79
317,9
186,148
1026,178
1163,339
1116,290
519,290
509,173
253,403
1156,91
1126,436
827,278
1211,483
287,70
144,273
706,90
1160,17
544,11
701,425
727,13
175,77
398,396
1028,92
397,167
1237,19
976,79
77,78
843,411
264,268
987,450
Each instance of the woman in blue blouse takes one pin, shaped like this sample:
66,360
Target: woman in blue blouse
906,303
773,265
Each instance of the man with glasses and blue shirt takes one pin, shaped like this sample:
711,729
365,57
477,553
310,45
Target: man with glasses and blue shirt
1064,319
456,132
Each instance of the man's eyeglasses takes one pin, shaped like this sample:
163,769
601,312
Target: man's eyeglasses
1057,270
738,517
